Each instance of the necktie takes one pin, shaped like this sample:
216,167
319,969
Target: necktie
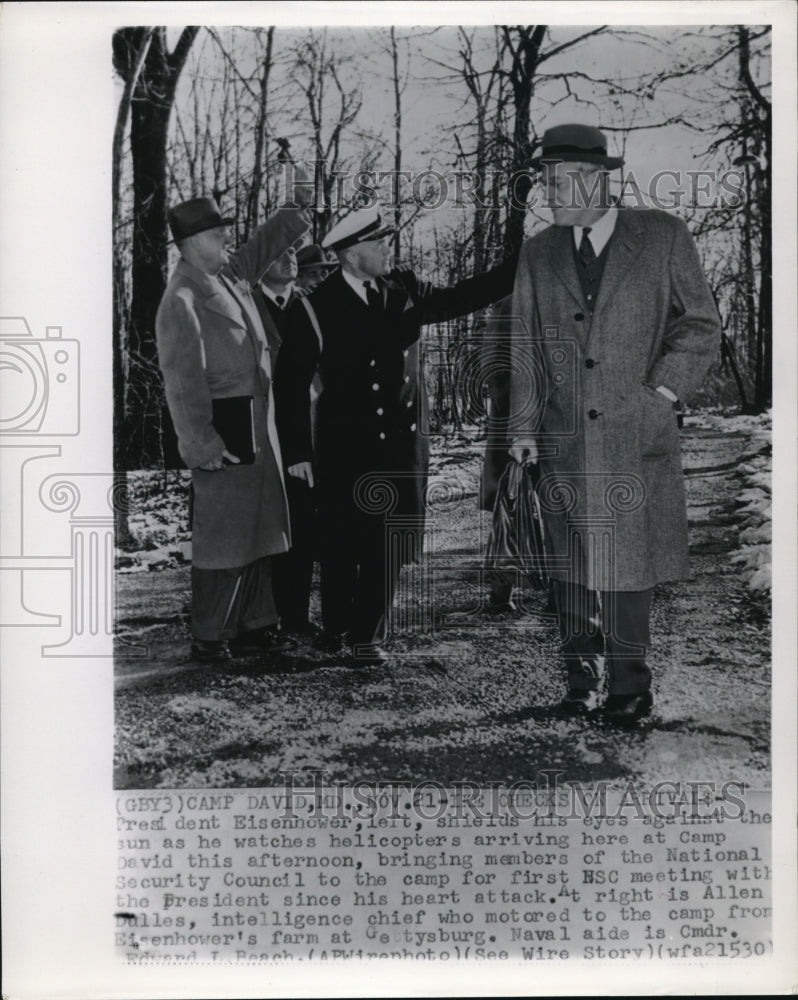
373,296
279,300
586,251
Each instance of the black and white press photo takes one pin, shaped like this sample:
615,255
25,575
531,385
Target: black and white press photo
492,495
397,422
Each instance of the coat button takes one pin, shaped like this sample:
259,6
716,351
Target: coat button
376,386
380,411
590,363
409,403
593,414
382,436
579,316
405,353
372,362
412,427
407,378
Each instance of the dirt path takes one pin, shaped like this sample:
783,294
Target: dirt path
468,697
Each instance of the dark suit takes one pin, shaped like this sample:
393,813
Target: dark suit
373,446
292,572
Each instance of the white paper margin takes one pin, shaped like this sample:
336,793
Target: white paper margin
57,109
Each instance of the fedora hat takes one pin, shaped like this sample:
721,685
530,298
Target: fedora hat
575,144
195,216
357,227
312,255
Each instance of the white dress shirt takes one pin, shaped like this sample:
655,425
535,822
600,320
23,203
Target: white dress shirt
357,285
285,295
600,231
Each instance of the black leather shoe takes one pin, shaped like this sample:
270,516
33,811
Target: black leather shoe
579,703
261,641
369,654
626,709
330,642
210,651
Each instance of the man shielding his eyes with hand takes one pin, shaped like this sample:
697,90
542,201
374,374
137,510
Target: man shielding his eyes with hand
214,357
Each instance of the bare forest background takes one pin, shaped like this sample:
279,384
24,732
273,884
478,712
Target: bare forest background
206,111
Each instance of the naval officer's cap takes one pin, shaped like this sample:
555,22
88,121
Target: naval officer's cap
359,226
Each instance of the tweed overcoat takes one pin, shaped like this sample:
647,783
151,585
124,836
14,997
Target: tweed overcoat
211,345
372,415
612,486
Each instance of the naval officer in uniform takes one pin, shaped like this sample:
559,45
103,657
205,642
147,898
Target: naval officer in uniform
360,330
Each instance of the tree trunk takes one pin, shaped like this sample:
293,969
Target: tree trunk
524,42
121,526
151,106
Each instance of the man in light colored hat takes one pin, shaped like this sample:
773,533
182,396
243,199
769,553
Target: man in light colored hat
217,373
313,267
361,328
613,326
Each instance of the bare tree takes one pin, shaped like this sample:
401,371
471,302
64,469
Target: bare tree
731,66
319,73
120,304
153,81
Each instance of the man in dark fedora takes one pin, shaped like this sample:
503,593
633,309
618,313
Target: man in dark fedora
217,373
313,267
613,325
360,328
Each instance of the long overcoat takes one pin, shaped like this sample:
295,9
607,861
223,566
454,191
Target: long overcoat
211,345
372,453
494,350
612,487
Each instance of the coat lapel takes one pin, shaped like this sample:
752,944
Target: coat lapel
273,336
563,264
350,295
623,248
242,294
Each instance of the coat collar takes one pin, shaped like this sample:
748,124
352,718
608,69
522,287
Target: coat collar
232,299
623,248
215,294
621,251
342,287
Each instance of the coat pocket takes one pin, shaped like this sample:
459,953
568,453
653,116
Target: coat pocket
657,423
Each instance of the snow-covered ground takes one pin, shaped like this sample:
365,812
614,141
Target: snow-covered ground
755,510
466,695
160,536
